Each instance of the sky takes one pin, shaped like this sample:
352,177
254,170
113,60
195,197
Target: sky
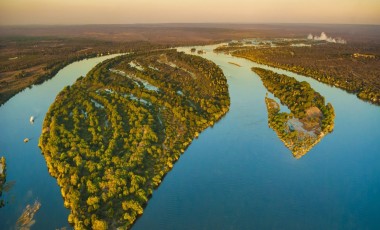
26,12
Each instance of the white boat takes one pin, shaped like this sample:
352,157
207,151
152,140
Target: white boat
26,140
31,120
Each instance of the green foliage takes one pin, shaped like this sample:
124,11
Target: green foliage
300,98
114,134
50,54
332,64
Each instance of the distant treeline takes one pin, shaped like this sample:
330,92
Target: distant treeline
25,61
352,67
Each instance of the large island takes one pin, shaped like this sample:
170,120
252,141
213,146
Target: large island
110,138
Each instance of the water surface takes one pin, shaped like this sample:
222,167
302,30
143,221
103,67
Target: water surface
236,175
239,175
26,165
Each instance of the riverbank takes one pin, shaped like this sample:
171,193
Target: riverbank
39,59
24,161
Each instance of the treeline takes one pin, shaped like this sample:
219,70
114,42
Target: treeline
111,137
25,61
333,64
305,104
2,179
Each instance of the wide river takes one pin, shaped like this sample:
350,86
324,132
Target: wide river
236,175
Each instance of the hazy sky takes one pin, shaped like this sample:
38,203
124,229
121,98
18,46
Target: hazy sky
161,11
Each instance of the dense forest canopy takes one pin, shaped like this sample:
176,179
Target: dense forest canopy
352,67
111,137
310,118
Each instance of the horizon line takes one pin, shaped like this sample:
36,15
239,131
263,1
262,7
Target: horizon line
189,23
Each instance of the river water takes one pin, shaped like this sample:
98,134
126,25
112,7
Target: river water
239,175
26,166
236,175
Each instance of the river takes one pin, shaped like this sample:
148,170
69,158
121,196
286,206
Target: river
26,166
239,175
236,175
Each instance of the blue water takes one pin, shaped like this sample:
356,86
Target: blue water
236,175
239,175
25,164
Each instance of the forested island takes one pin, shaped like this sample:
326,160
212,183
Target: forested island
2,178
310,118
110,138
352,67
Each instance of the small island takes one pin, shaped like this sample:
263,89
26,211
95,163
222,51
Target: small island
110,138
233,63
2,178
26,220
310,118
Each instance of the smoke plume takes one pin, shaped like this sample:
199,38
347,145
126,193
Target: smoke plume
324,37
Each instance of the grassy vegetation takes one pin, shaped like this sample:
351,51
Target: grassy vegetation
352,67
111,137
308,111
